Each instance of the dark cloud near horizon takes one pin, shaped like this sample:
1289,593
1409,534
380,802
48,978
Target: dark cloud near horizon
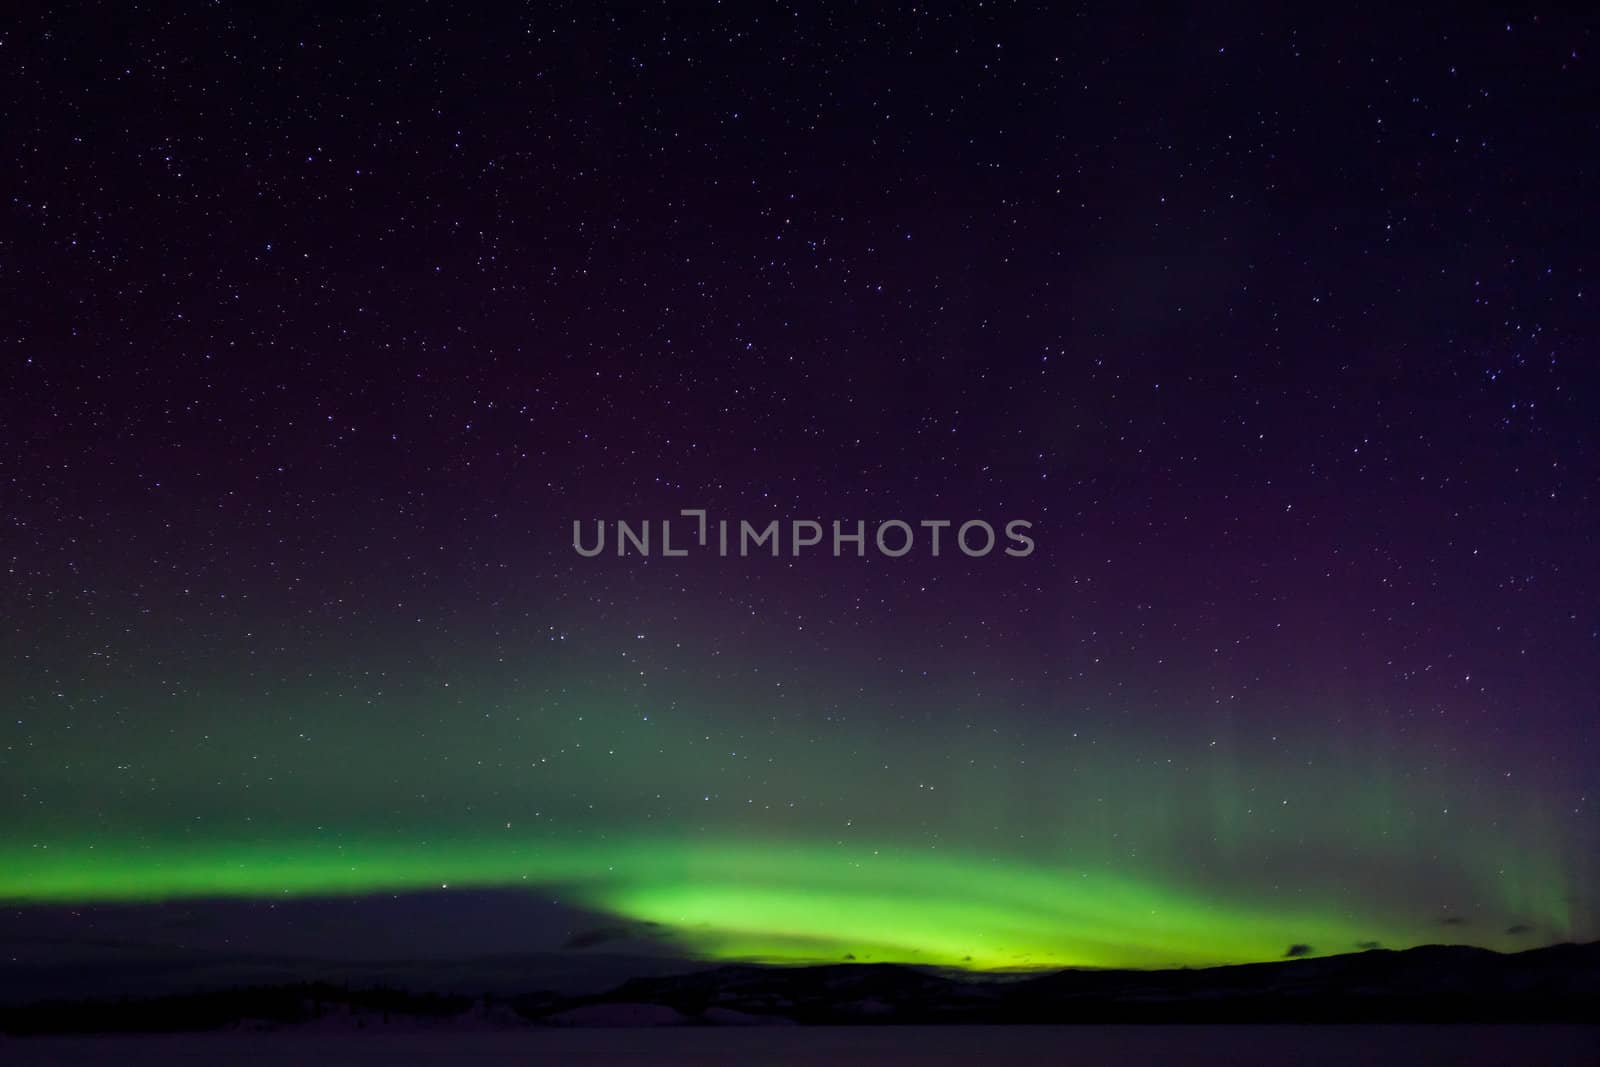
611,933
1298,950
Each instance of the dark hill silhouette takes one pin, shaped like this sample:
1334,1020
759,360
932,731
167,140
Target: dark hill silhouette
1435,983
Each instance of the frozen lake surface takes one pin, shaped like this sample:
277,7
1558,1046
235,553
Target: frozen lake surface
1120,1046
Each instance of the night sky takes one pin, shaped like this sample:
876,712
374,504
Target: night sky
322,325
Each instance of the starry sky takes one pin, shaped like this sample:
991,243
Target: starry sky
324,323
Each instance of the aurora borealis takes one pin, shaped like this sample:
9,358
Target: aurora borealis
771,832
1277,335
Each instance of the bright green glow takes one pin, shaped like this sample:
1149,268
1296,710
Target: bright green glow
749,828
770,901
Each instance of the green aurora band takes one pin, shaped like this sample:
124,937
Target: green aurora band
799,838
769,901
